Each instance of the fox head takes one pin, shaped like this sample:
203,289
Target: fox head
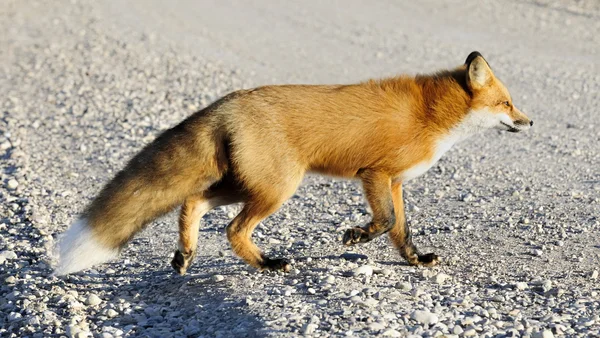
491,105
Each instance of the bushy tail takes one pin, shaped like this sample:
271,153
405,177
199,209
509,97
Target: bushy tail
78,249
182,161
121,210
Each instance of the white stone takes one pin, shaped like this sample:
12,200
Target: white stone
8,254
366,270
391,333
112,313
424,317
12,184
457,329
376,326
441,278
470,333
93,300
521,286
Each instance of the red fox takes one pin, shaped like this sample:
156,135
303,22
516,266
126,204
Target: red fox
254,147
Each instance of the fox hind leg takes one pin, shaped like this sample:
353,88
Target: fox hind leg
192,211
239,234
265,198
268,182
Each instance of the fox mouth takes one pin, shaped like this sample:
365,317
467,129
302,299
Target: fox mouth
510,128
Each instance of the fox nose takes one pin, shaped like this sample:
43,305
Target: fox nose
531,123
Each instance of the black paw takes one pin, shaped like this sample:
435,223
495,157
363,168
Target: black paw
355,235
181,262
276,264
429,259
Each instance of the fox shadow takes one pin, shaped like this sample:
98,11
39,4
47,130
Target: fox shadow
162,303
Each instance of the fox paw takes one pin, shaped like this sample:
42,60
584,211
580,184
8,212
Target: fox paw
427,260
355,235
181,262
276,264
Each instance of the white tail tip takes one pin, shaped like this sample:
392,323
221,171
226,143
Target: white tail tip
78,249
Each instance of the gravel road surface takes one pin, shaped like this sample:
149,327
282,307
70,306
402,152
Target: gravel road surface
516,217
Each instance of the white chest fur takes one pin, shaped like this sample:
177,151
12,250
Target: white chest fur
441,147
473,123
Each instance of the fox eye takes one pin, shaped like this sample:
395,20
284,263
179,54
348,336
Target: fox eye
506,103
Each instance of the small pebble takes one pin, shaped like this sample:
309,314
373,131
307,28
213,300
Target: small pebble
457,329
441,278
93,300
365,270
521,286
8,254
112,313
12,184
424,317
376,326
391,333
404,286
469,333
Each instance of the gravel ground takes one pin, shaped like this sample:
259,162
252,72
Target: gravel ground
516,217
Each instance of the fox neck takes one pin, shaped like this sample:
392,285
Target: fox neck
447,106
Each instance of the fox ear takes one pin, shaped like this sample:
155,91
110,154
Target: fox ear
479,72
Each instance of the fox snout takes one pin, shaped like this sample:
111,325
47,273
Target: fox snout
524,123
520,121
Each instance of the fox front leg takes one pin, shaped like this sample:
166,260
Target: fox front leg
377,187
401,236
